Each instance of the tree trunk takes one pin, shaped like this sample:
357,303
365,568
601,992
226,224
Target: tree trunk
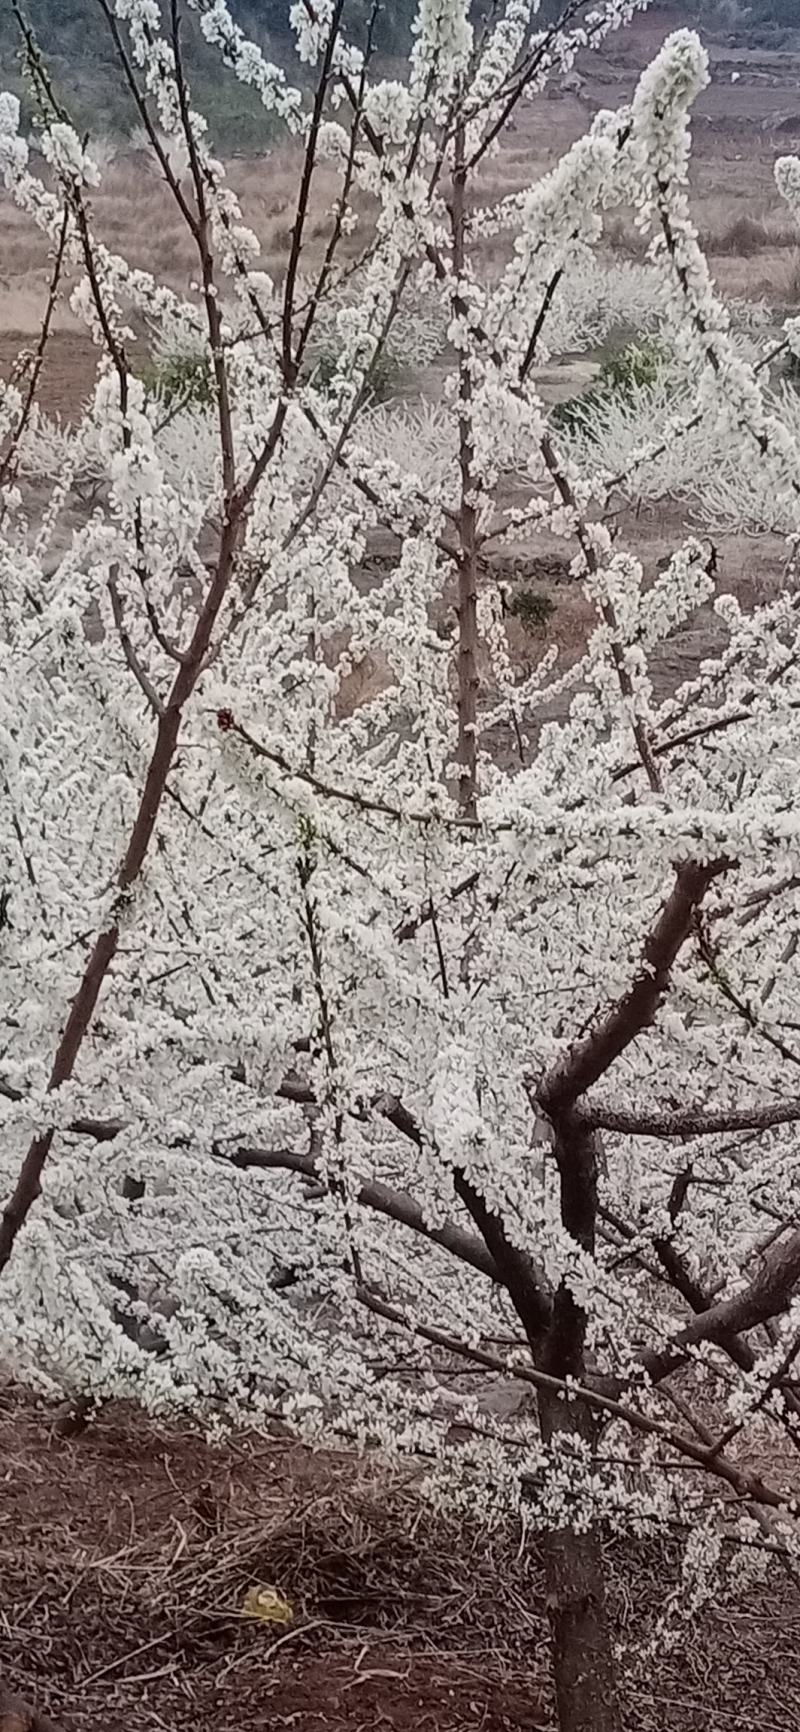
19,1716
584,1668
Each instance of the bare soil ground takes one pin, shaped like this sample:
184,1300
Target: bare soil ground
67,375
126,1554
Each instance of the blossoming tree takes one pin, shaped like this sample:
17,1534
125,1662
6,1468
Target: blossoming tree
492,1051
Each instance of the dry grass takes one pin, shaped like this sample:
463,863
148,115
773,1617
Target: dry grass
727,229
746,235
22,303
133,212
789,285
125,1556
744,227
767,277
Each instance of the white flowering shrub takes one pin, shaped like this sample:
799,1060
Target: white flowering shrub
698,466
326,1021
417,436
414,337
601,299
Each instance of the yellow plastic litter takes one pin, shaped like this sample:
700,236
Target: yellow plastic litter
268,1605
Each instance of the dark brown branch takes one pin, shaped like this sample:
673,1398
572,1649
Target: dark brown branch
140,674
696,1121
363,802
396,1205
768,1295
134,87
566,493
590,1058
8,464
386,1106
290,363
104,950
576,1154
200,231
776,1381
538,325
745,1484
342,203
519,81
710,952
576,1149
523,1282
674,1269
701,731
414,924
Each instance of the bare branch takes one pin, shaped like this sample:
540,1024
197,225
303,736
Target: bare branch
140,675
696,1121
189,216
8,464
228,725
290,361
768,1295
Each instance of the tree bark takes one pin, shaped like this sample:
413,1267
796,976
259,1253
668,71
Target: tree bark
19,1716
582,1657
583,1664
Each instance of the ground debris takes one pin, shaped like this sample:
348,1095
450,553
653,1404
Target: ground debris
127,1554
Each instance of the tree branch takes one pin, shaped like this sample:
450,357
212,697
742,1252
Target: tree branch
745,1484
8,463
516,1269
695,1121
590,1058
140,675
228,724
396,1205
768,1295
